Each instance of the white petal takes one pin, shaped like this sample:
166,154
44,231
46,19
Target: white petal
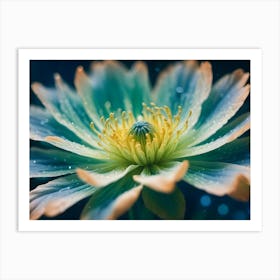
74,147
166,181
103,179
56,196
220,178
226,98
230,132
123,203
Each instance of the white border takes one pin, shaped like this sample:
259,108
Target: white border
24,57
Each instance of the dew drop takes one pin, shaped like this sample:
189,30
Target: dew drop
179,90
43,122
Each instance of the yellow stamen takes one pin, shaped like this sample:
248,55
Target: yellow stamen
148,139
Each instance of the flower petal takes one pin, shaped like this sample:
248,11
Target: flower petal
42,124
141,89
237,152
240,188
227,134
56,196
74,147
220,178
123,203
225,99
164,182
44,128
187,84
104,179
169,206
55,162
67,109
111,87
110,201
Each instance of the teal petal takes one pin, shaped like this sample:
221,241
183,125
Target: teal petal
101,204
111,87
44,128
140,87
227,134
54,162
237,152
42,124
186,84
56,196
167,206
66,108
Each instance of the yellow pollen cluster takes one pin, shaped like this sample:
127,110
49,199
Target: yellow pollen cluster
121,137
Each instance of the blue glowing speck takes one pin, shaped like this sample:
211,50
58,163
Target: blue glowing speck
223,209
205,200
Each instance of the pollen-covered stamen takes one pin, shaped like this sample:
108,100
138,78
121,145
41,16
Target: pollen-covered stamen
142,130
149,140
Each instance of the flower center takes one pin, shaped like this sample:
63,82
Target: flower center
140,131
149,139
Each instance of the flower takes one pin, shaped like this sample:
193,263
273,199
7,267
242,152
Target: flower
125,145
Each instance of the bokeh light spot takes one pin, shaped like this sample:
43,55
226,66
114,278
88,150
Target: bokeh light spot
223,209
205,200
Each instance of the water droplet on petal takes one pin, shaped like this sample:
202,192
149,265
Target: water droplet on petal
179,90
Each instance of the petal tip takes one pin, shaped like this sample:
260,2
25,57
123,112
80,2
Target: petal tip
240,189
36,87
53,139
181,170
85,176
